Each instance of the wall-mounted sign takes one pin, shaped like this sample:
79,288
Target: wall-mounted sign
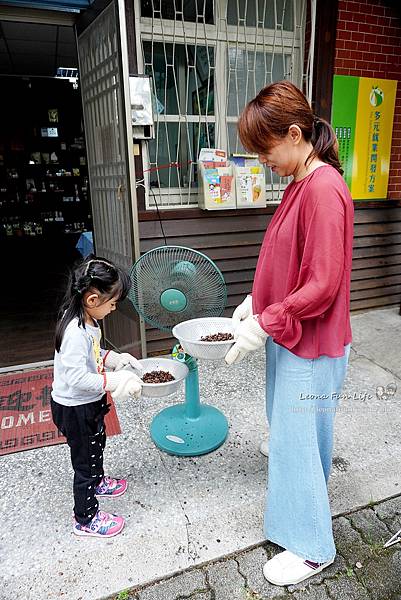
362,117
49,132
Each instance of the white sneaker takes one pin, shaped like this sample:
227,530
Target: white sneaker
264,448
287,568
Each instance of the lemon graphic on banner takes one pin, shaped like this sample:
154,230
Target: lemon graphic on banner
376,96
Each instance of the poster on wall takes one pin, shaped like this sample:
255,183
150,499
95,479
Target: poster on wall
362,117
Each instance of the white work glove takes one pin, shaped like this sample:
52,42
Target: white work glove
116,361
249,336
123,385
242,311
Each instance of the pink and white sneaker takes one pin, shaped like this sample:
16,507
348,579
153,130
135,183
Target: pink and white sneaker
109,487
102,525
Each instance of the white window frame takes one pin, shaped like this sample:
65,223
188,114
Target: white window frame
218,36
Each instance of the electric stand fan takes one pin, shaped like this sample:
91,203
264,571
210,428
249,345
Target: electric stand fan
180,290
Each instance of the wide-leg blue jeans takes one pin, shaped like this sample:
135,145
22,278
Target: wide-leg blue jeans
301,400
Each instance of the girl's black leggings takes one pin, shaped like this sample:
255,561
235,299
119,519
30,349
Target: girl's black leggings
84,428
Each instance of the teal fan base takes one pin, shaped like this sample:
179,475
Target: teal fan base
189,428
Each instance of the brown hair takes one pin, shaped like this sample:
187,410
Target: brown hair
270,114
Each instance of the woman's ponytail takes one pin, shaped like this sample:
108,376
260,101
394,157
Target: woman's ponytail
325,145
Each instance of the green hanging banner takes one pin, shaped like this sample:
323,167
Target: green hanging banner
362,117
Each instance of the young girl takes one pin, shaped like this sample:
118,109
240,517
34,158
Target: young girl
300,309
80,384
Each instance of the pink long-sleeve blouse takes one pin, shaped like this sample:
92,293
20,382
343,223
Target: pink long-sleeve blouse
301,289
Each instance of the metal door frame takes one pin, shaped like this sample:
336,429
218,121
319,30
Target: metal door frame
86,20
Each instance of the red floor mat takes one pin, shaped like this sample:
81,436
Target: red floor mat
25,415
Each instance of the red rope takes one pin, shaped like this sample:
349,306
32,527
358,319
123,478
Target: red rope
167,166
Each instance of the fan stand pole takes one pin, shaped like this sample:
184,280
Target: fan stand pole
189,428
192,403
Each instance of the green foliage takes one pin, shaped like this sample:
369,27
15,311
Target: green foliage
350,572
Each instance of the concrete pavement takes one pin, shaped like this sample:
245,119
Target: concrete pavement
183,512
362,570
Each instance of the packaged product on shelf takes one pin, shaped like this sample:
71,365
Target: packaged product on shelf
250,181
35,158
212,155
30,185
216,184
77,198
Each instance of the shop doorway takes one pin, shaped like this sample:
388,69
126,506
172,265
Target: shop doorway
65,162
44,188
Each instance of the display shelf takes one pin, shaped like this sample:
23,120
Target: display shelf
37,199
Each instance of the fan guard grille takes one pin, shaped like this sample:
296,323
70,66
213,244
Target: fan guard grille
189,273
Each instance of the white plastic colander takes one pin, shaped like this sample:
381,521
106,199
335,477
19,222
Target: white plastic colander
177,369
189,334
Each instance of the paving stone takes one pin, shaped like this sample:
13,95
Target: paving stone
394,526
381,576
250,565
339,566
226,581
314,592
369,526
390,513
388,509
349,542
183,584
346,588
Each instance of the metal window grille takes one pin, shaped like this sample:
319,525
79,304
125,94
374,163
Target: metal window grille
207,59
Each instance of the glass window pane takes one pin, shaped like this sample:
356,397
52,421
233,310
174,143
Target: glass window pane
285,15
250,72
162,151
234,144
195,11
200,81
201,135
179,143
270,14
183,77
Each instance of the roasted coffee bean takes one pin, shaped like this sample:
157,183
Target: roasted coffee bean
217,337
157,377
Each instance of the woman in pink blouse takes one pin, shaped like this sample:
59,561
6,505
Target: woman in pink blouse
299,309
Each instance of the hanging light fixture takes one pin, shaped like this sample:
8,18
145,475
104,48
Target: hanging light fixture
70,73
